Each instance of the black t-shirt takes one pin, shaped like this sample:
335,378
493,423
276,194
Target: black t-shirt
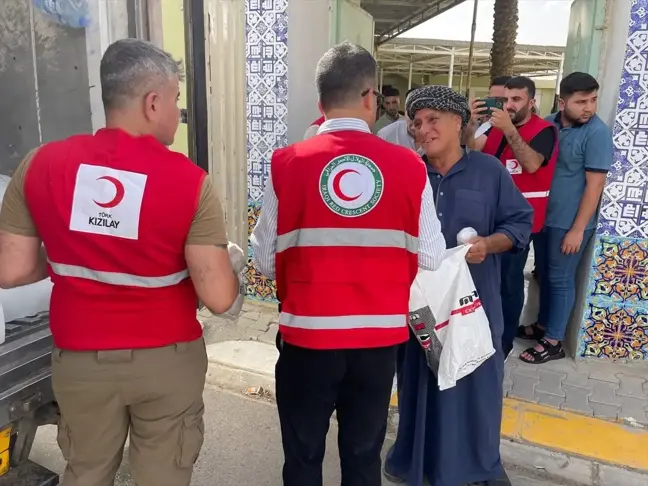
543,143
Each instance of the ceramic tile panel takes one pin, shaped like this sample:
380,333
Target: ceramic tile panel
615,324
267,108
624,208
615,331
259,287
620,270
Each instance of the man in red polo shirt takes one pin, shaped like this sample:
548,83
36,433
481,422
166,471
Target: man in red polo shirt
133,234
347,220
528,146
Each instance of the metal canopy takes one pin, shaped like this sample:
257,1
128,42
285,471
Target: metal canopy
433,57
394,17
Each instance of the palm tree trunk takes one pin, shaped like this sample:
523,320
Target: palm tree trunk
505,24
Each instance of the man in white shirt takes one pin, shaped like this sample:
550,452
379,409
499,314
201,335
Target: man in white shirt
401,132
496,90
339,334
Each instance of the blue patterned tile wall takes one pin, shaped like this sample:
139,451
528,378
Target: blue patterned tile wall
615,323
624,208
267,108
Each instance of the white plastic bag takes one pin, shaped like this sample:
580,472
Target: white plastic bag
448,319
239,261
532,303
73,13
26,300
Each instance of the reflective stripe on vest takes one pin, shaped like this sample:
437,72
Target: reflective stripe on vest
116,278
537,194
342,322
377,238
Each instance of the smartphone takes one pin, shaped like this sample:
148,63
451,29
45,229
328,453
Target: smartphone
492,102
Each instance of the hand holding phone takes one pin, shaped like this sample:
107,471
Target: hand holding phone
476,109
492,102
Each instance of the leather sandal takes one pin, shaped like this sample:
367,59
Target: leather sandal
550,352
537,333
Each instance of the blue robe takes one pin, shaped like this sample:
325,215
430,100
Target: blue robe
452,438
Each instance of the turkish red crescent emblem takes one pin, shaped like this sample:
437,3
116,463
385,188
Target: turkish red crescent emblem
336,185
119,193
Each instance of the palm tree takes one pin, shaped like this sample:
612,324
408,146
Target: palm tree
504,35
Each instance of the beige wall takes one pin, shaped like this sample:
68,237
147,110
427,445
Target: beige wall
354,25
479,87
314,26
309,27
174,43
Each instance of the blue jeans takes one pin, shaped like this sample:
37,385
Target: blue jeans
558,283
512,290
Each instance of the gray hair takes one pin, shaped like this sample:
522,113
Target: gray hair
343,73
131,68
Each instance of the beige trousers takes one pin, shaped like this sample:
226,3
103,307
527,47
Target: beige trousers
153,394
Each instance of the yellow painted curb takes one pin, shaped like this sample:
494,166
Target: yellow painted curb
571,433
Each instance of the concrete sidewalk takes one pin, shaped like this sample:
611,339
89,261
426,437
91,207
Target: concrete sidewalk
242,448
580,421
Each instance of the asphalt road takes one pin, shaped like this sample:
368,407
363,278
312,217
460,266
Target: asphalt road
242,447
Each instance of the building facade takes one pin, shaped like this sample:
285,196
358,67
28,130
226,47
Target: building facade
610,319
615,319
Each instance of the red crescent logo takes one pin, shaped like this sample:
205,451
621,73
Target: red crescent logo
338,190
119,193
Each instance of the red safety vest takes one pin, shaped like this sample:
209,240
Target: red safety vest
314,127
114,212
348,227
534,187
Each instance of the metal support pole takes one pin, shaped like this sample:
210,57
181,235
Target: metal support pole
472,48
560,74
461,76
409,78
197,114
382,74
451,72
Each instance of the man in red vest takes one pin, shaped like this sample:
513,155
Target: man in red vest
312,129
347,220
133,234
528,146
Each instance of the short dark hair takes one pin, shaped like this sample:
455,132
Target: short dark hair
390,91
131,67
577,83
522,82
343,73
499,81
